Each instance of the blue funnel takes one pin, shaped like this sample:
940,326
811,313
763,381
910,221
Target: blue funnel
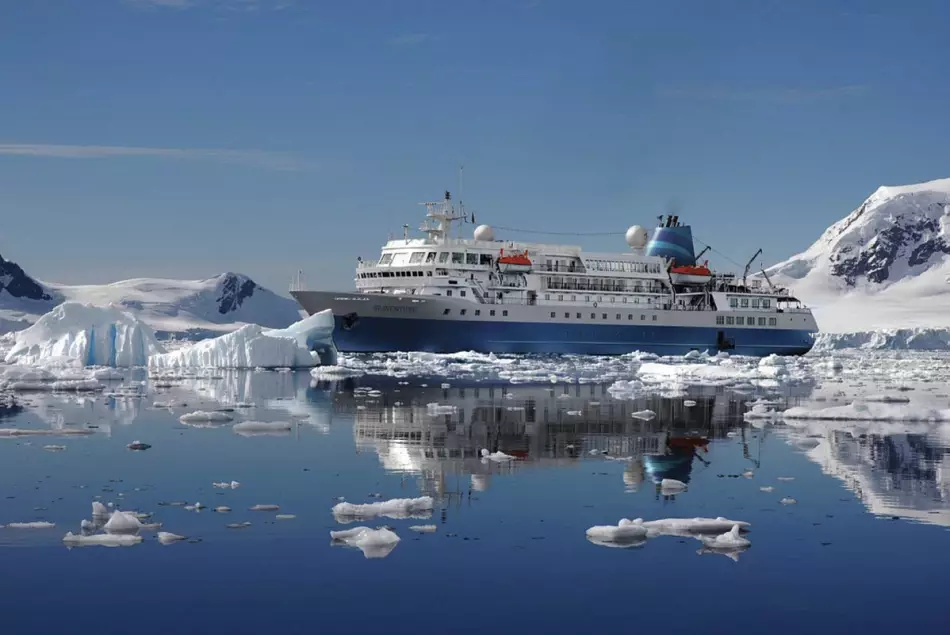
673,243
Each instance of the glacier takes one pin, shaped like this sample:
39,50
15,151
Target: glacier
91,335
304,344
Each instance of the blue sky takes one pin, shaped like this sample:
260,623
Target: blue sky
183,138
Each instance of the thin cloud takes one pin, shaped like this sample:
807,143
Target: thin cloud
249,158
410,39
224,5
776,95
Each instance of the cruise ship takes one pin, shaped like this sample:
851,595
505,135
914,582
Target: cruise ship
443,294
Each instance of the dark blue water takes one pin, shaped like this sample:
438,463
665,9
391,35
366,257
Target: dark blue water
863,550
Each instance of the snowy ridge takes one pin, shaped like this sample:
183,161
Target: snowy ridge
196,308
884,266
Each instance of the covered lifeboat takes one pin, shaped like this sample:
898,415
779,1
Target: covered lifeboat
691,274
514,262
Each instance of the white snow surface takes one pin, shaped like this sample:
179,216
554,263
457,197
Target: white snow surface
252,346
915,292
729,540
91,335
624,531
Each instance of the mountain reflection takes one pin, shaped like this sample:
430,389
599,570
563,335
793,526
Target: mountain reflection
895,469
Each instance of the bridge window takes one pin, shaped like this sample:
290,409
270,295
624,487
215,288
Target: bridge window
471,259
734,303
386,259
504,313
416,257
430,257
720,319
458,258
443,257
745,303
485,259
766,303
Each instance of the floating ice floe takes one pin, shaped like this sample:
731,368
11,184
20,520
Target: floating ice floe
729,540
398,508
101,540
37,524
167,538
788,500
498,456
202,416
767,488
285,516
627,533
335,372
226,485
423,529
260,428
374,543
95,336
54,448
692,526
304,344
62,432
264,508
644,415
861,411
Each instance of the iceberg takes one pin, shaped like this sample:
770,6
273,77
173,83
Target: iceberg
304,344
627,533
92,335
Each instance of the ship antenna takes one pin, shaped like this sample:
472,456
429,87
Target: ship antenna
461,197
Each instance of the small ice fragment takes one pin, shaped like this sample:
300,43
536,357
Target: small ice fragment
226,485
222,509
54,448
101,540
201,416
785,478
594,452
626,531
446,386
138,446
99,510
285,516
265,508
423,529
396,508
167,538
729,540
689,403
32,525
574,413
238,525
122,523
767,488
262,427
788,500
374,543
748,473
645,415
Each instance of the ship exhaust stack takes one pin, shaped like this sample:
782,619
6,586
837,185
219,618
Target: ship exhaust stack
673,242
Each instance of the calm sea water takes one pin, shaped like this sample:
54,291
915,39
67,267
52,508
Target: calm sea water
864,549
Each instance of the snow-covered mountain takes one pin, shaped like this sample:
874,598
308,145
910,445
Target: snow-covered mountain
193,307
885,265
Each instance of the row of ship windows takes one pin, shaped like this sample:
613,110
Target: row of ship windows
395,274
458,258
741,321
478,312
587,298
635,267
764,303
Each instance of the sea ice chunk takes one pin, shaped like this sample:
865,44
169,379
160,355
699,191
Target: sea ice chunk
423,529
728,540
645,415
252,428
93,335
101,540
672,486
374,543
692,526
167,538
497,457
303,344
398,508
201,416
31,525
122,523
624,532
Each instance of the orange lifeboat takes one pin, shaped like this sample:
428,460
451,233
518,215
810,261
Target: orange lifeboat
514,263
691,274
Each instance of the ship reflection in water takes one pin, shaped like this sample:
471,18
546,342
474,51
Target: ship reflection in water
438,433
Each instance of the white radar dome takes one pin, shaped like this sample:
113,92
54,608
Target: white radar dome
636,237
484,232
